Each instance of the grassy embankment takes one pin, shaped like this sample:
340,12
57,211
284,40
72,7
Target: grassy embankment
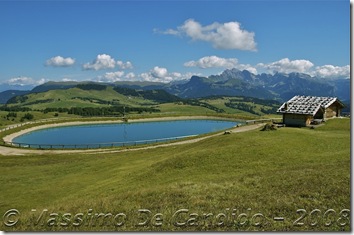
257,175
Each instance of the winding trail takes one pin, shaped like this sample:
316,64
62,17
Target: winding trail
9,151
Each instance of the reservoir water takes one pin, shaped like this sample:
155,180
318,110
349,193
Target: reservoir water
118,134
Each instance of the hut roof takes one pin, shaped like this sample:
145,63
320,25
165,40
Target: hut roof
308,105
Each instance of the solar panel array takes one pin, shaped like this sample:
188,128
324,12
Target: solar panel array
306,104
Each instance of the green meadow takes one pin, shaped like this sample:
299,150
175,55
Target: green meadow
291,179
75,97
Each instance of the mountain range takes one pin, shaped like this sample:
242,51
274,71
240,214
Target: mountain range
278,86
231,82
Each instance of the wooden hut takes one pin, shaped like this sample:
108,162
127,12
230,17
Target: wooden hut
302,110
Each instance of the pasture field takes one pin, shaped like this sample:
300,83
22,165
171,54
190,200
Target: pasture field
75,97
67,102
37,116
291,179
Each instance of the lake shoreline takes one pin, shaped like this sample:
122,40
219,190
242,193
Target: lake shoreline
9,138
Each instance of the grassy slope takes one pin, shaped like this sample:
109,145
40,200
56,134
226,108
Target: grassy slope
36,116
93,98
175,108
66,98
220,103
273,173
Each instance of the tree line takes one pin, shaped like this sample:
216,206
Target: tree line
108,111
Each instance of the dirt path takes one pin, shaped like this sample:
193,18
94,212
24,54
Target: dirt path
6,151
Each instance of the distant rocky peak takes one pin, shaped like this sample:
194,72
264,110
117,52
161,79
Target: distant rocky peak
300,75
231,72
196,80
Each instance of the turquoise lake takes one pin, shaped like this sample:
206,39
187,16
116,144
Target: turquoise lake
118,134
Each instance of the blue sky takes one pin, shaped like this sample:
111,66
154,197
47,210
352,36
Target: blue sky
170,40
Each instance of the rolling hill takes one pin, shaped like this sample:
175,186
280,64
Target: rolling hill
96,99
90,95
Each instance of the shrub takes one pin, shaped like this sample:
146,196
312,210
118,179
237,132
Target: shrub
269,127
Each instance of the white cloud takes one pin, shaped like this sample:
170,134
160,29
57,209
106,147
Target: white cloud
148,77
152,77
59,61
105,61
331,71
41,81
177,75
23,81
126,65
68,80
130,76
102,61
248,67
227,35
305,66
212,62
288,66
159,74
156,74
217,62
112,77
116,76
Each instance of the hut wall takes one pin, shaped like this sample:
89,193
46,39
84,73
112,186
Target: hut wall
333,110
290,119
